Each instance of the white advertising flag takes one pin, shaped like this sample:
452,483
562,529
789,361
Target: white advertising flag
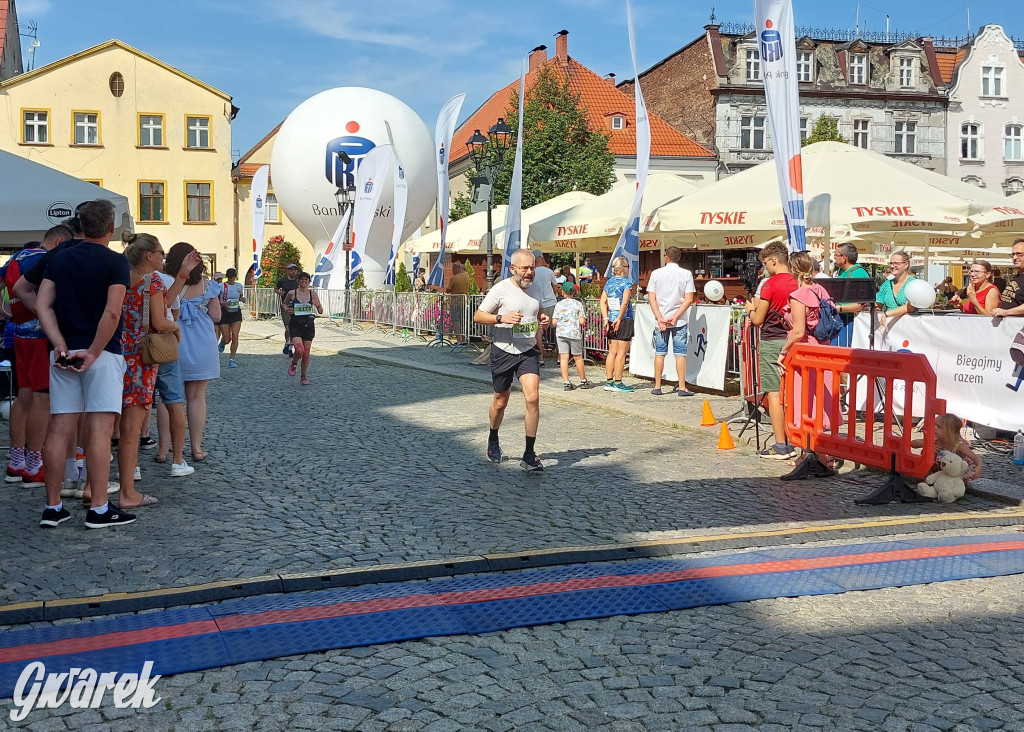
514,212
628,245
401,197
258,194
329,259
776,34
370,176
444,131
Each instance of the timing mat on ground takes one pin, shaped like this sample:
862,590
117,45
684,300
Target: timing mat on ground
260,628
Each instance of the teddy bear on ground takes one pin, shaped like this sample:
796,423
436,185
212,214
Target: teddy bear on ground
947,485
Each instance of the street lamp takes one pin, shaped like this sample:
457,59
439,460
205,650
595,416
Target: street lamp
346,196
487,154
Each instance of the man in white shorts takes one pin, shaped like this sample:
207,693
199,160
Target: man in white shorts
79,307
515,312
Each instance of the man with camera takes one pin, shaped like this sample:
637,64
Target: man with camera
79,306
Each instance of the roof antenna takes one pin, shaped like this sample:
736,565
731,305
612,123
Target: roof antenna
712,19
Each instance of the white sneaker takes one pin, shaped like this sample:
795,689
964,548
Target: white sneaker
179,470
138,473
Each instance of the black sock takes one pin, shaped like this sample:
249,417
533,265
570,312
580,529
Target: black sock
492,437
529,446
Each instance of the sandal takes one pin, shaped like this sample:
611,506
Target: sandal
159,458
198,457
147,500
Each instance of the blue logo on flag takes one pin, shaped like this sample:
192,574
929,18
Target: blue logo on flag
440,154
771,45
342,174
368,188
259,202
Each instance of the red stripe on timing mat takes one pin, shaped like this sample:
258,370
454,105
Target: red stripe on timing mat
363,607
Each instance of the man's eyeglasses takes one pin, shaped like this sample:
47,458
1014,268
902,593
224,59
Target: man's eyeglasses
1014,255
524,269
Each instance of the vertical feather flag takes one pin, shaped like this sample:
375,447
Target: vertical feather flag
258,194
628,245
777,37
329,260
401,197
370,176
443,133
514,212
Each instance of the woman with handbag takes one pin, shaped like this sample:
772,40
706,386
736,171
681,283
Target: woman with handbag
148,338
199,358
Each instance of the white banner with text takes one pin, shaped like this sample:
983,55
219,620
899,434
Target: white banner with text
706,349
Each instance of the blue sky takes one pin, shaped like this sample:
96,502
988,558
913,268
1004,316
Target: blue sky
270,55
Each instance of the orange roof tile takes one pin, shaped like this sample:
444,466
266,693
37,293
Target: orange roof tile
601,99
247,170
948,60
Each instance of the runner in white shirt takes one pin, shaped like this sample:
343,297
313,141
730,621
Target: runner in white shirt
671,293
545,289
516,316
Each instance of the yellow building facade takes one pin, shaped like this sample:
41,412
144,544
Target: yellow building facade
276,223
137,126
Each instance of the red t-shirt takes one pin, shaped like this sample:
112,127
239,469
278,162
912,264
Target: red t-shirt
776,291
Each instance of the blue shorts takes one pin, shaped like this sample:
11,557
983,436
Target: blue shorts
169,385
679,341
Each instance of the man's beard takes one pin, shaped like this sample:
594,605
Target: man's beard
522,281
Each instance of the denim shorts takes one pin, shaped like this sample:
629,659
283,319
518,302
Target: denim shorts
679,341
169,385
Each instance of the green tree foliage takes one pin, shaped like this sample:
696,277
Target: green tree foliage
277,255
560,153
826,129
474,288
359,283
402,281
461,206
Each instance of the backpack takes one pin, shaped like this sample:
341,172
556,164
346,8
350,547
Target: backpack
829,323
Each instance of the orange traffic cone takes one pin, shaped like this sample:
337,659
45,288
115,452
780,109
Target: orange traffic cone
725,438
708,420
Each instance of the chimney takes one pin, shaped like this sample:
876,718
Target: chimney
610,78
537,57
562,46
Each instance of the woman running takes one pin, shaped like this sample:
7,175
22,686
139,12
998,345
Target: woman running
231,314
300,303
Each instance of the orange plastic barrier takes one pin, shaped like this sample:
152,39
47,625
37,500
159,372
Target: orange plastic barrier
817,421
750,376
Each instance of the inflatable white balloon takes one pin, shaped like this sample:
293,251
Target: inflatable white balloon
713,290
920,294
307,170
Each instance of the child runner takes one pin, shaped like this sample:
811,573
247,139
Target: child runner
569,320
300,303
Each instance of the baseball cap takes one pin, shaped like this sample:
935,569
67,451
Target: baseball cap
218,275
568,288
537,254
293,264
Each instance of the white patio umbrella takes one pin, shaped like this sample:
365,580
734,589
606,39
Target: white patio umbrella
595,226
845,188
469,235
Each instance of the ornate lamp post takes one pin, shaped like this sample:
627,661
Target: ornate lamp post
346,196
487,154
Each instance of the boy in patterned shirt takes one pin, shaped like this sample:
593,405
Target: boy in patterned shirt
569,320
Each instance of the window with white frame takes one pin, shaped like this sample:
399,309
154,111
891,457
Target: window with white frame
1012,149
992,81
87,128
618,123
198,132
151,130
272,211
36,127
970,141
753,65
805,66
752,132
860,133
805,124
858,68
906,138
907,71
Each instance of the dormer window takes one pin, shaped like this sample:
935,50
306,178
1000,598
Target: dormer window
618,122
907,72
805,66
753,64
858,68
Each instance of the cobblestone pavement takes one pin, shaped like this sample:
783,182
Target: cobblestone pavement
943,657
377,463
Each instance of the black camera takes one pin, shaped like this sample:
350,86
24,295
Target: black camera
748,276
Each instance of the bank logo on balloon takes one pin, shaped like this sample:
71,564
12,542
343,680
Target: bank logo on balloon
342,173
771,44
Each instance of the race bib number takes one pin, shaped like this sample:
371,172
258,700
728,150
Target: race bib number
525,327
303,308
232,304
614,304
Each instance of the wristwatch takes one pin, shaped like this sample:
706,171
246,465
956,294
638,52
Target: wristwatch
497,319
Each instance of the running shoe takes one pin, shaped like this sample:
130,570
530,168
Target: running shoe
531,463
138,473
232,363
113,516
684,393
13,476
146,443
657,392
567,386
54,517
619,386
29,480
180,470
494,452
291,369
220,346
609,385
778,452
304,381
586,384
